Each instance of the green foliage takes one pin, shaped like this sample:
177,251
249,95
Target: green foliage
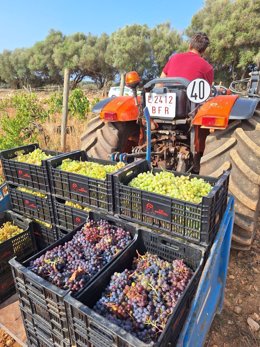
54,103
23,127
78,104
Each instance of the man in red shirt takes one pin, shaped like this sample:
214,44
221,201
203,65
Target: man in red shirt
191,65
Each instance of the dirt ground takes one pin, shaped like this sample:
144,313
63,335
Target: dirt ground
242,302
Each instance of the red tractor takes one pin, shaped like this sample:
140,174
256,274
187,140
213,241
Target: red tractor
221,133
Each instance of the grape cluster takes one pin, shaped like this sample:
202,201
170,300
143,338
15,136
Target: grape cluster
72,264
34,157
140,300
32,192
88,168
9,230
177,187
78,206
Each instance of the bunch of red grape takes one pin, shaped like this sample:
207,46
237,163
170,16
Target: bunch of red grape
72,264
141,300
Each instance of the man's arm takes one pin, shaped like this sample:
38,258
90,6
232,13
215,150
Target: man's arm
163,75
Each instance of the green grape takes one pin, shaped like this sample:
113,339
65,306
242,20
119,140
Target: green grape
177,187
32,192
9,230
34,157
89,169
78,206
47,225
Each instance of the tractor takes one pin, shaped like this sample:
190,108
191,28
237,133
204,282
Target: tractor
181,134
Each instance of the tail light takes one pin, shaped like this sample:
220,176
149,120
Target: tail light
214,122
110,116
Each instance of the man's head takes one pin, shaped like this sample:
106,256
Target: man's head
200,42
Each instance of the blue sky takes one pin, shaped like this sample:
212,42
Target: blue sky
24,22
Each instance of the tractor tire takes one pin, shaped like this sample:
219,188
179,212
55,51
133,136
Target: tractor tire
238,148
103,138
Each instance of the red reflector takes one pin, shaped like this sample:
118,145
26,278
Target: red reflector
214,122
110,116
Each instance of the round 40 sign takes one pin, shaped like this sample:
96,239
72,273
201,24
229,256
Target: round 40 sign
198,90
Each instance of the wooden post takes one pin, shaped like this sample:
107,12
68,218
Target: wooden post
122,83
65,108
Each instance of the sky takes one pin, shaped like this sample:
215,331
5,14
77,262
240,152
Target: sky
24,22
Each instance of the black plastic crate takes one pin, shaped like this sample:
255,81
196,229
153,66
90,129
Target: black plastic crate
197,223
81,189
27,175
32,206
45,236
7,287
87,326
67,217
21,245
41,333
40,297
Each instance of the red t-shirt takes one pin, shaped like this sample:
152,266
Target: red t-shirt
189,65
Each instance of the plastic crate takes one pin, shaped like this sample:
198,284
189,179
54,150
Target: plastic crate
40,297
81,189
41,333
89,327
67,217
7,287
32,206
21,245
28,175
45,236
197,223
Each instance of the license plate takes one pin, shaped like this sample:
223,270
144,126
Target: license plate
161,105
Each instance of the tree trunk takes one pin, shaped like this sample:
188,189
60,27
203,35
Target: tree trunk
122,83
65,109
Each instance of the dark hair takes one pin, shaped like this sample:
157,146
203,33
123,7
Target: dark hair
199,41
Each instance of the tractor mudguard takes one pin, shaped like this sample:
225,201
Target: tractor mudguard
100,105
216,112
117,109
244,108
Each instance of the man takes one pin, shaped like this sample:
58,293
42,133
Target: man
191,65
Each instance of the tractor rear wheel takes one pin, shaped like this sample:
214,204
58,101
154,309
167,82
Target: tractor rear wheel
238,148
103,138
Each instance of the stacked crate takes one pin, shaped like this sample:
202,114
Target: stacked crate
87,193
20,246
42,303
33,177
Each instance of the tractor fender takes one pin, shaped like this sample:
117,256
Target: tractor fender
244,108
118,109
98,107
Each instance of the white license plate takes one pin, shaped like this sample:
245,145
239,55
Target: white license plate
161,105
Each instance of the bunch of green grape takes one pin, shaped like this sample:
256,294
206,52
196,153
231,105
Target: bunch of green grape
177,187
88,168
9,230
47,225
32,192
1,180
78,206
34,157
